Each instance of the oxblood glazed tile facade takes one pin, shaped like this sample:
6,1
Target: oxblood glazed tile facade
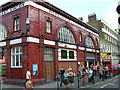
41,49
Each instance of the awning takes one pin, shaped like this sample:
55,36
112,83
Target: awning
90,58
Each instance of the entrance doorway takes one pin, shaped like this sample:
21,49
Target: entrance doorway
89,63
49,71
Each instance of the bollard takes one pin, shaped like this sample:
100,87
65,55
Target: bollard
57,83
78,81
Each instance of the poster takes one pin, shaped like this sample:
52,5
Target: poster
35,69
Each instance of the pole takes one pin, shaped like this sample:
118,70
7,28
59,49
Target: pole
57,82
78,79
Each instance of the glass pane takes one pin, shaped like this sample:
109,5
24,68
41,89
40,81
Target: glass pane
17,60
13,60
20,60
17,49
20,49
13,50
71,54
64,54
48,54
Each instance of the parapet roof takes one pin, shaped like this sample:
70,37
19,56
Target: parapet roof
50,6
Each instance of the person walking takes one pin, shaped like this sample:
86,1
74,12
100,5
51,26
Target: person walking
84,77
80,68
90,75
69,68
28,75
71,77
62,71
65,79
100,72
106,71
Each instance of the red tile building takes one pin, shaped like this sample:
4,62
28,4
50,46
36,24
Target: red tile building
42,37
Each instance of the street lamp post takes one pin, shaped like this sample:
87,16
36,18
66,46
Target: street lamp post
27,34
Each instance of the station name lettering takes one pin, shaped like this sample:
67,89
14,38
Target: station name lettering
12,9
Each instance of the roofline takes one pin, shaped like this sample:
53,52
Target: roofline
53,8
67,15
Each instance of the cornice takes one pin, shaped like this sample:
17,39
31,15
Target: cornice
53,8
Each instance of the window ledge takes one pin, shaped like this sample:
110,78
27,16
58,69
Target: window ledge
16,66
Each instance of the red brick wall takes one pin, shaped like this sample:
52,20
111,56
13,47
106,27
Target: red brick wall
37,29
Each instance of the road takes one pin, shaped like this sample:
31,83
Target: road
115,84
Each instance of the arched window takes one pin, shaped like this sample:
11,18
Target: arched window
89,42
97,42
3,32
65,35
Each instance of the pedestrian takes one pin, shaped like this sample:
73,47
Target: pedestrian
29,85
84,77
80,68
71,77
69,68
65,80
95,70
106,71
28,76
100,72
62,71
90,75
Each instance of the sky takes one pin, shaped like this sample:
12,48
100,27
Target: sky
104,9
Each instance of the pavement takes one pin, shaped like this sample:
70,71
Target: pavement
55,85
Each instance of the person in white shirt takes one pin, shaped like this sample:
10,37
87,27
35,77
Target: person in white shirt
90,75
28,75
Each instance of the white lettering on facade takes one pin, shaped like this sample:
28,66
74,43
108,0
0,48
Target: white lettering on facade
12,9
48,11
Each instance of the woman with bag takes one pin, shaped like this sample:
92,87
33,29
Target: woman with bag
65,80
84,77
71,77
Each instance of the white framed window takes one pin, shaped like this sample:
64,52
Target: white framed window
16,24
3,32
48,54
16,57
66,55
48,26
89,42
65,35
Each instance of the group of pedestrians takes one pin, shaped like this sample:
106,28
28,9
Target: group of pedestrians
89,73
67,76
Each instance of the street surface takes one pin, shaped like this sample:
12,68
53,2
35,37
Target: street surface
102,85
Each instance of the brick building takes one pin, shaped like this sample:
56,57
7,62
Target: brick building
42,37
109,41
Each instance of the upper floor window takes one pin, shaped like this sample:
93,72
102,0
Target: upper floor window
3,32
48,26
89,42
16,56
16,24
65,35
80,37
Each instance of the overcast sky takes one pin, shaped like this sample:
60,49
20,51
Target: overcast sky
104,9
